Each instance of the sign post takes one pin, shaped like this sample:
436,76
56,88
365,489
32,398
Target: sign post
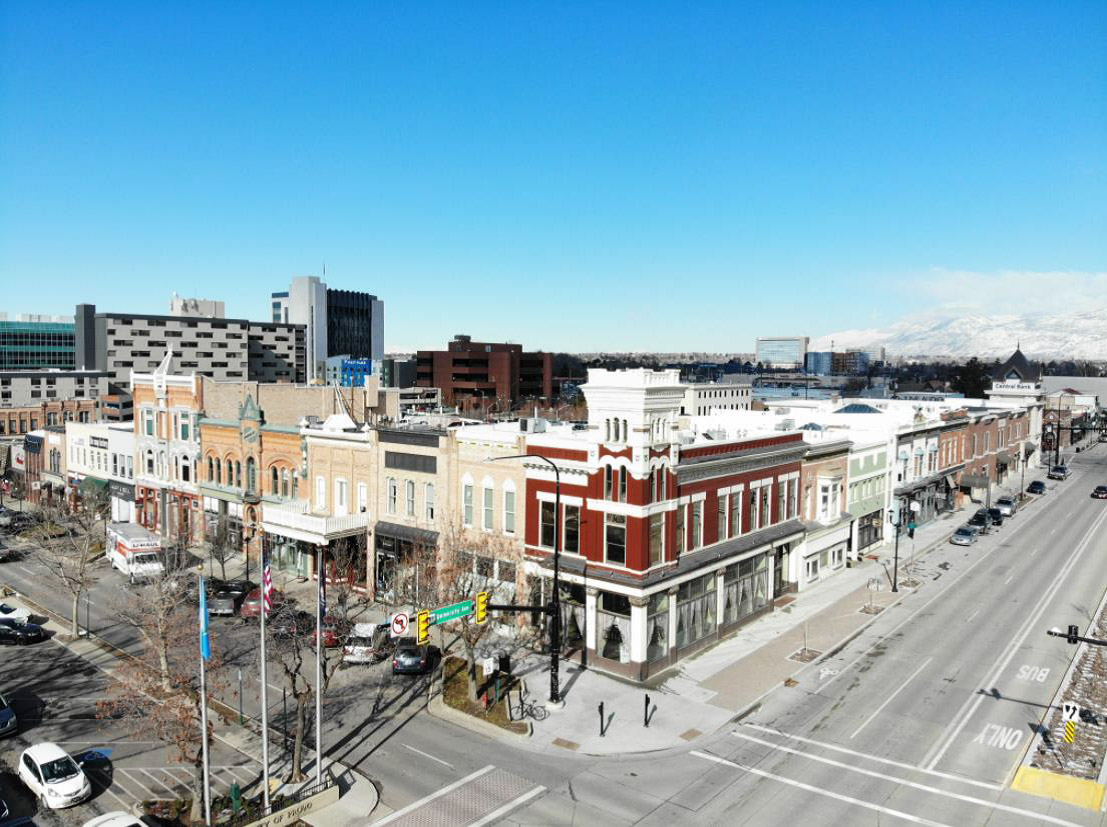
1070,712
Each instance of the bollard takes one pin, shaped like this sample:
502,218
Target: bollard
646,716
601,719
497,687
241,717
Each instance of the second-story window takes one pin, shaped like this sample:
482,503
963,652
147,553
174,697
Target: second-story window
607,481
487,508
720,511
680,529
571,529
393,494
546,524
793,489
284,482
467,504
623,485
362,498
697,524
409,491
509,511
735,514
428,501
755,509
274,481
615,538
657,538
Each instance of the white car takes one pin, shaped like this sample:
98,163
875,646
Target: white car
12,613
52,775
116,819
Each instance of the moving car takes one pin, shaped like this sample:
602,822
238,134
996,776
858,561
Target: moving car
1100,492
411,658
9,723
1036,487
996,516
368,643
225,599
20,633
52,775
1058,472
251,605
964,536
1007,506
12,613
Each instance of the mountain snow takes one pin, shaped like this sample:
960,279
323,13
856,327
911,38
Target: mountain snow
1040,335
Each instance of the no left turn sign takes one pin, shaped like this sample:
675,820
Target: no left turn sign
399,624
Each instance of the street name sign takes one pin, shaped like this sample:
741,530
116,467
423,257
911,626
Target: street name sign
451,612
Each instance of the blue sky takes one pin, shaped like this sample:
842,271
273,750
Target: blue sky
574,177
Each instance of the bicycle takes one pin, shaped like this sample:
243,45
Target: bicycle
532,710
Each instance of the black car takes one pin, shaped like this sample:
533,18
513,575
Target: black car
412,659
20,633
1036,487
9,724
980,519
225,599
996,516
1100,492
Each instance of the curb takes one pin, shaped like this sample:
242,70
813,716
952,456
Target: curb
438,708
1079,792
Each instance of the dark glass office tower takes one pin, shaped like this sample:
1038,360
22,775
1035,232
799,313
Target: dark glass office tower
355,324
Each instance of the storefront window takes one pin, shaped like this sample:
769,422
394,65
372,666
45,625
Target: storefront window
746,588
696,604
657,627
613,625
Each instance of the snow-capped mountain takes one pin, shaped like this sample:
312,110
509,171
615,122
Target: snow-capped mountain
1046,336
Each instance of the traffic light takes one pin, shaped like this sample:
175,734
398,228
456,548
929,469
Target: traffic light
482,607
422,627
1074,633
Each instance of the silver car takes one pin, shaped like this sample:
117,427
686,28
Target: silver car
964,536
1007,506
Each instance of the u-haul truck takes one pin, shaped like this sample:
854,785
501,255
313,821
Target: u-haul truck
134,551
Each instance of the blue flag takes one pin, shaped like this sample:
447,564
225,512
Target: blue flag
322,596
205,642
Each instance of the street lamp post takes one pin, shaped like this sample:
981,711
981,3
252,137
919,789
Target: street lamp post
554,606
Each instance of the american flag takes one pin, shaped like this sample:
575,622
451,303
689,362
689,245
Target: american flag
267,585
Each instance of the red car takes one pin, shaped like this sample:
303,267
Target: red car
251,606
335,632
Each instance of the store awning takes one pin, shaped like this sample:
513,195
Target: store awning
950,481
1028,448
974,481
1003,458
91,485
420,536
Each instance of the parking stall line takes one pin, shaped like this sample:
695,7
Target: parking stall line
173,771
117,780
161,783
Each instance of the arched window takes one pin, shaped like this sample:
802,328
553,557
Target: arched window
218,472
251,475
409,490
625,431
284,482
274,481
186,469
211,478
238,473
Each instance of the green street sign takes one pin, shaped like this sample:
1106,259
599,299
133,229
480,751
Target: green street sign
451,612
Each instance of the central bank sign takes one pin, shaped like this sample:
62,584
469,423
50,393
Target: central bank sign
1014,386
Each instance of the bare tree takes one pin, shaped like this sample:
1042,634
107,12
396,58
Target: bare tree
157,694
294,642
464,561
155,609
71,539
223,545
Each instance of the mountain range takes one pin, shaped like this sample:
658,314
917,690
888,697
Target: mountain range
1042,336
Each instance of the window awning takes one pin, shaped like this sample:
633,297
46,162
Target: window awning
1003,458
974,481
1028,448
91,485
420,536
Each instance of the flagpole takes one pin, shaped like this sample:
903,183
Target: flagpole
205,652
319,668
264,685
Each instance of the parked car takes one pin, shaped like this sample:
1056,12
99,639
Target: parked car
9,723
335,631
980,519
411,658
1007,506
53,776
1036,487
996,516
225,598
251,605
119,819
7,553
20,633
1058,472
12,613
291,623
5,518
964,536
1100,492
368,643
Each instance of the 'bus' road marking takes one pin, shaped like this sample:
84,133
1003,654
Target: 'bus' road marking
973,703
901,764
1007,808
868,805
427,755
889,699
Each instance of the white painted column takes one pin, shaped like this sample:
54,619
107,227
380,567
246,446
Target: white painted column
590,598
638,641
672,617
720,598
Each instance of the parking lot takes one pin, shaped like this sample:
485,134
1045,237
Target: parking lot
54,694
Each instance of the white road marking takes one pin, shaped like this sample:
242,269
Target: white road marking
508,807
975,700
449,788
426,755
1033,552
889,699
172,791
116,782
868,805
1010,577
133,780
983,802
911,616
901,764
975,612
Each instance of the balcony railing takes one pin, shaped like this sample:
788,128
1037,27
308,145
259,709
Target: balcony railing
295,518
